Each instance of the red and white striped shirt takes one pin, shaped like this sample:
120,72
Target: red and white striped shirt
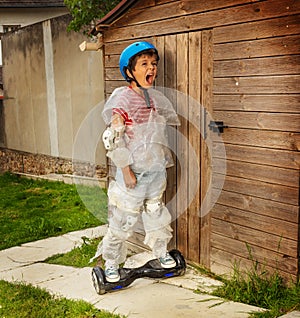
133,109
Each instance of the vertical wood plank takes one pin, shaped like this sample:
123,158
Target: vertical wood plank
182,143
206,101
170,79
159,43
194,138
170,61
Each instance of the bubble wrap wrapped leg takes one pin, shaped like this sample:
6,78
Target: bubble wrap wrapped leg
125,207
157,219
121,225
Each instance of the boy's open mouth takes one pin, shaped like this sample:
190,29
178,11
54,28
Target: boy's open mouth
150,79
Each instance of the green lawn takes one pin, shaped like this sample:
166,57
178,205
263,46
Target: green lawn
79,256
25,301
36,209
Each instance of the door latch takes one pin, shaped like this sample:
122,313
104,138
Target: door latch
217,126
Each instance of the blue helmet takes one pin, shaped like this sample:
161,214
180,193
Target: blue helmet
132,50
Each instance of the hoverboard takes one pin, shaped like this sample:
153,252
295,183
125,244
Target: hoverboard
152,269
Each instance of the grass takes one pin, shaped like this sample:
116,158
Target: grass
261,289
26,301
37,209
79,256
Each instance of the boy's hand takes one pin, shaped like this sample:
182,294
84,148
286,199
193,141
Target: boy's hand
129,177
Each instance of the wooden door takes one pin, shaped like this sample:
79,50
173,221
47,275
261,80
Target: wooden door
186,68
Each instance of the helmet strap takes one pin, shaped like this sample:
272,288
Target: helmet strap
145,91
146,94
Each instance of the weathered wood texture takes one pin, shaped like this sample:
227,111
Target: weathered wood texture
256,93
240,59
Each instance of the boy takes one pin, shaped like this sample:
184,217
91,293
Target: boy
136,141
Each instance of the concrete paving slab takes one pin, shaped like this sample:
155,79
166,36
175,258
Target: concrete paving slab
138,259
66,281
144,298
294,314
91,233
38,251
69,179
192,280
24,255
8,261
79,285
163,300
38,273
75,283
42,249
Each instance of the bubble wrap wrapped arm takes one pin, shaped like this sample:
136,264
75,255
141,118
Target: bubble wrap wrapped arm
120,155
164,105
116,97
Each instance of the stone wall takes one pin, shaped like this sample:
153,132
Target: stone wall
38,164
2,131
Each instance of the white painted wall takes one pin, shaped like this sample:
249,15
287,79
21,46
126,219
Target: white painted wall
27,16
51,87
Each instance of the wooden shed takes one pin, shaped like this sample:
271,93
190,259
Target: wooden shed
240,59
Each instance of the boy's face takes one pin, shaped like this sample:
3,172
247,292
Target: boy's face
145,70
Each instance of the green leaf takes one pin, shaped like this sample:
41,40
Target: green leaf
84,12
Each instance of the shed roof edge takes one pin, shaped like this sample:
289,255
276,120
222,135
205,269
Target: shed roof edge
113,15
